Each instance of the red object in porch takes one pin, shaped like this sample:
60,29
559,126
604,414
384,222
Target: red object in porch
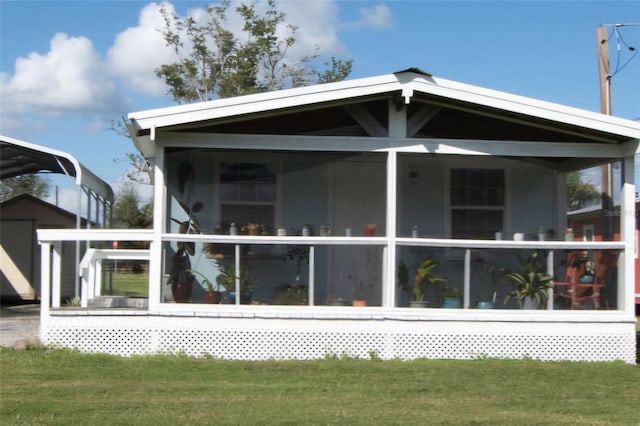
574,291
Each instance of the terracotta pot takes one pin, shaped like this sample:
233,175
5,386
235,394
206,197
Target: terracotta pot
181,292
369,232
359,303
212,297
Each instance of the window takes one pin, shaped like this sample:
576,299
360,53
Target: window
477,202
248,194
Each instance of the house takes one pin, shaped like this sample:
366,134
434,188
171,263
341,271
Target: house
22,215
592,224
302,205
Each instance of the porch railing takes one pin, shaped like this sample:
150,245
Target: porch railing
90,267
51,240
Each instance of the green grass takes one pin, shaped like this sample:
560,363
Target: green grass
129,284
66,387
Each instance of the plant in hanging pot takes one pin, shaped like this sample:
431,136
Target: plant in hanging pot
531,284
422,281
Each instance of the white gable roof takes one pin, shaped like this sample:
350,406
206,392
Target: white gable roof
407,83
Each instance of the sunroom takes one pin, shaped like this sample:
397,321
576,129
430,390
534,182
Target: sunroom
386,214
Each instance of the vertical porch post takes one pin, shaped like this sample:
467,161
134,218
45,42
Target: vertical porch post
397,129
626,277
389,260
155,249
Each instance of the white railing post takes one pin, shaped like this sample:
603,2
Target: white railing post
45,280
312,272
467,278
550,271
56,272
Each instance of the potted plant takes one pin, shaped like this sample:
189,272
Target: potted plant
422,280
210,294
370,229
181,278
531,284
294,293
254,229
227,279
452,297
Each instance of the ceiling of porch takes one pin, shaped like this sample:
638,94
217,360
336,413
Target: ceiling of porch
427,117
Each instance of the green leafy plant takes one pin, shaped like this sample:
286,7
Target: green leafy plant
422,280
227,278
73,302
206,282
531,282
452,292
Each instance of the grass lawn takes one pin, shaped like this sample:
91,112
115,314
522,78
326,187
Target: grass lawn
129,284
66,387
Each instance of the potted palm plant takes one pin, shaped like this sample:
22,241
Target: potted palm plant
211,293
422,281
531,284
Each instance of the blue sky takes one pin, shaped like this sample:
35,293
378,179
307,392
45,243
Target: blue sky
68,68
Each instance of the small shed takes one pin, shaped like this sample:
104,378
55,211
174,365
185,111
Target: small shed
23,215
19,249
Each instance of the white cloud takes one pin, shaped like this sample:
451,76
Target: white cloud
376,17
317,23
139,50
70,77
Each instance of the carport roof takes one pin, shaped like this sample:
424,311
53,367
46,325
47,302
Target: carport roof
20,158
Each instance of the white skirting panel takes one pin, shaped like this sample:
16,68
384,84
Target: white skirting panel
262,339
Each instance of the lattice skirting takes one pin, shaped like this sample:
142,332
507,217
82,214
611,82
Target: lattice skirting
261,339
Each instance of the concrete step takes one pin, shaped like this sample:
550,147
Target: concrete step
118,302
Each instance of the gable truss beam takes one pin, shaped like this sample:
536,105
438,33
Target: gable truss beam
367,121
420,118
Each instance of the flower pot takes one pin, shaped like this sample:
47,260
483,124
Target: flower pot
181,292
530,303
452,303
245,297
418,304
369,232
212,297
485,305
358,302
338,302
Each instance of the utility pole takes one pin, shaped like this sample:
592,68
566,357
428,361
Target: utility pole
604,69
604,72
